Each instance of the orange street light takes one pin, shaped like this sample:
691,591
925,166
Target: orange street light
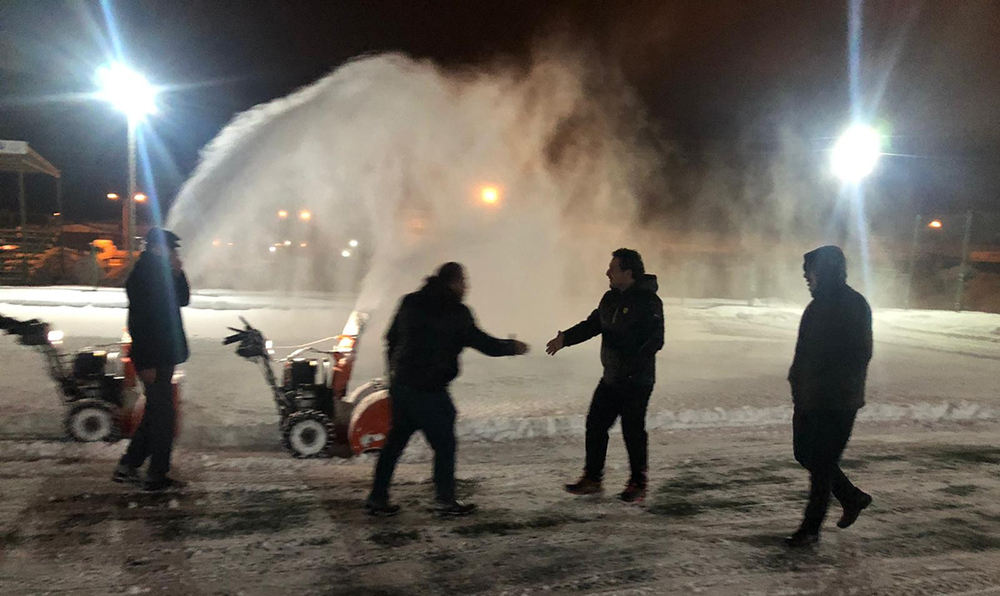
305,215
936,224
282,214
112,196
140,197
490,195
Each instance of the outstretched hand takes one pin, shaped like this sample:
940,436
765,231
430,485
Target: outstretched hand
521,348
555,344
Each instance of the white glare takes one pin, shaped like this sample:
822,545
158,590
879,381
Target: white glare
856,153
127,90
56,336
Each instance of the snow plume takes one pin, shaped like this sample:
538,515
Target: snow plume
395,153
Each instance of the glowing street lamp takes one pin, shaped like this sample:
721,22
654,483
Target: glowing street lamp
936,224
282,214
345,253
856,153
353,243
490,195
140,197
129,92
305,215
112,196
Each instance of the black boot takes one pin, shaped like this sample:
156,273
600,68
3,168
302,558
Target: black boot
851,513
802,538
585,486
380,508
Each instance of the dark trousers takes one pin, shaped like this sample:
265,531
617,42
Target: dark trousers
611,401
431,412
819,438
155,436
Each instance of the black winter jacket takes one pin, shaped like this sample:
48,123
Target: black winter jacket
833,350
430,329
155,298
631,326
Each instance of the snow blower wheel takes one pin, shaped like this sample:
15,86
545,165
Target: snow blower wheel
92,420
307,434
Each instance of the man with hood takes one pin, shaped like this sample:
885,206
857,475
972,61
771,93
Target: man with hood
827,379
157,289
430,329
629,320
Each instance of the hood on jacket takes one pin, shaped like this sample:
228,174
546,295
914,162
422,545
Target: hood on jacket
645,283
828,264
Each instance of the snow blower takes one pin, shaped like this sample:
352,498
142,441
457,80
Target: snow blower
98,385
318,418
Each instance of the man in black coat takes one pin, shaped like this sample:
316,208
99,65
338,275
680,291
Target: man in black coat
827,378
157,289
629,319
428,332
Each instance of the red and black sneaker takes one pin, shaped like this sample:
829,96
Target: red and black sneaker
585,486
635,492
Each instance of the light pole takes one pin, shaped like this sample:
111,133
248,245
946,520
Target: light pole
130,93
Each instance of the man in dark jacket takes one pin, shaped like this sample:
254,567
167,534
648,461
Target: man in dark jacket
629,319
430,329
157,289
827,378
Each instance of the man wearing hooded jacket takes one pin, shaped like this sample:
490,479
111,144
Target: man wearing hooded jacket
827,379
430,329
629,320
157,289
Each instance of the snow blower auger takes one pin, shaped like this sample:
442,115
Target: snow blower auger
98,385
318,418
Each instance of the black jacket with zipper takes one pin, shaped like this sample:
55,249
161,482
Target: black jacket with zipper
835,339
155,297
630,323
430,329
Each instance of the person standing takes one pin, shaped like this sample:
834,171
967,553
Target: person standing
827,379
629,320
157,289
429,330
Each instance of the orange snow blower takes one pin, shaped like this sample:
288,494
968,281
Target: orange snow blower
318,417
99,385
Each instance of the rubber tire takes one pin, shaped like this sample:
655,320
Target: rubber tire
76,408
315,419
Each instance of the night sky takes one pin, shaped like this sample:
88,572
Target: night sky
713,74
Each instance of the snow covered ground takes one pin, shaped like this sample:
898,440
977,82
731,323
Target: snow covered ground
724,365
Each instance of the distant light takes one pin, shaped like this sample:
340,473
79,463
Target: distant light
56,214
856,153
288,242
272,248
56,336
140,197
936,224
303,245
112,196
229,244
127,90
305,215
490,195
282,214
9,247
353,243
345,253
216,242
